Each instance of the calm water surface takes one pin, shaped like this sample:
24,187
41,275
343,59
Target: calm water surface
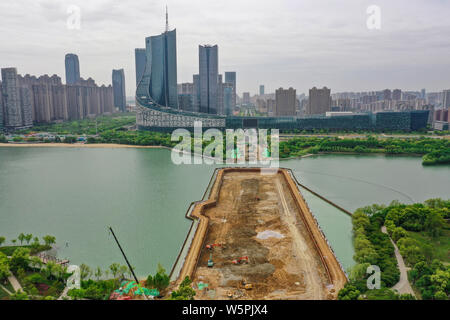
76,193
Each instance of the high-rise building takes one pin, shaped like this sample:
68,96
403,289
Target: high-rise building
159,82
261,106
220,109
16,101
86,99
118,83
228,98
446,99
185,96
209,76
285,102
397,95
246,98
72,68
140,59
25,106
230,77
196,93
319,101
186,88
261,90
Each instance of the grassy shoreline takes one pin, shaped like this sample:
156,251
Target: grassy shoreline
79,145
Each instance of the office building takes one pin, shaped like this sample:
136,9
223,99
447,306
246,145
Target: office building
319,101
285,102
246,98
51,100
196,93
185,96
72,68
230,77
397,95
446,99
209,76
118,83
17,109
159,82
261,90
228,96
140,60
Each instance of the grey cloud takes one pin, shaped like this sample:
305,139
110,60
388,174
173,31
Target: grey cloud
277,43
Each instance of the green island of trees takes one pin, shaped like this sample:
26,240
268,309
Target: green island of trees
435,151
422,234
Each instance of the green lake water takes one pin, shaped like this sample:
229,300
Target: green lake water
76,193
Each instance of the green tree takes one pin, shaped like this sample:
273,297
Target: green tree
160,281
358,272
98,273
440,295
50,269
184,292
434,223
49,240
20,258
85,271
398,233
4,266
2,240
36,262
123,271
115,267
21,238
28,238
349,292
20,295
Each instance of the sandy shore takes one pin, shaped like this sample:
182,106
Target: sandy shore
78,145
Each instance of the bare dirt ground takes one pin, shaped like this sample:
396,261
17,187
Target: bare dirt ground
283,262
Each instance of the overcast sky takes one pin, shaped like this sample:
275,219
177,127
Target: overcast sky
278,43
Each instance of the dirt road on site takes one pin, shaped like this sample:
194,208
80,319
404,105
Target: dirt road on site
257,216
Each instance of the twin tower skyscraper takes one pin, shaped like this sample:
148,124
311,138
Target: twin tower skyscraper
156,76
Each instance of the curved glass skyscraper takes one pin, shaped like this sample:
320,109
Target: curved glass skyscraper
159,82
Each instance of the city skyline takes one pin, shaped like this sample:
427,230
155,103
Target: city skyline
324,44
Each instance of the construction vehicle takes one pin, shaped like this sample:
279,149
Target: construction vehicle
211,246
247,286
210,261
240,260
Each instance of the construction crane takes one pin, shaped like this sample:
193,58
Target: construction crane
126,259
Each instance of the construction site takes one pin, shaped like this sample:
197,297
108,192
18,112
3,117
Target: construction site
255,238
